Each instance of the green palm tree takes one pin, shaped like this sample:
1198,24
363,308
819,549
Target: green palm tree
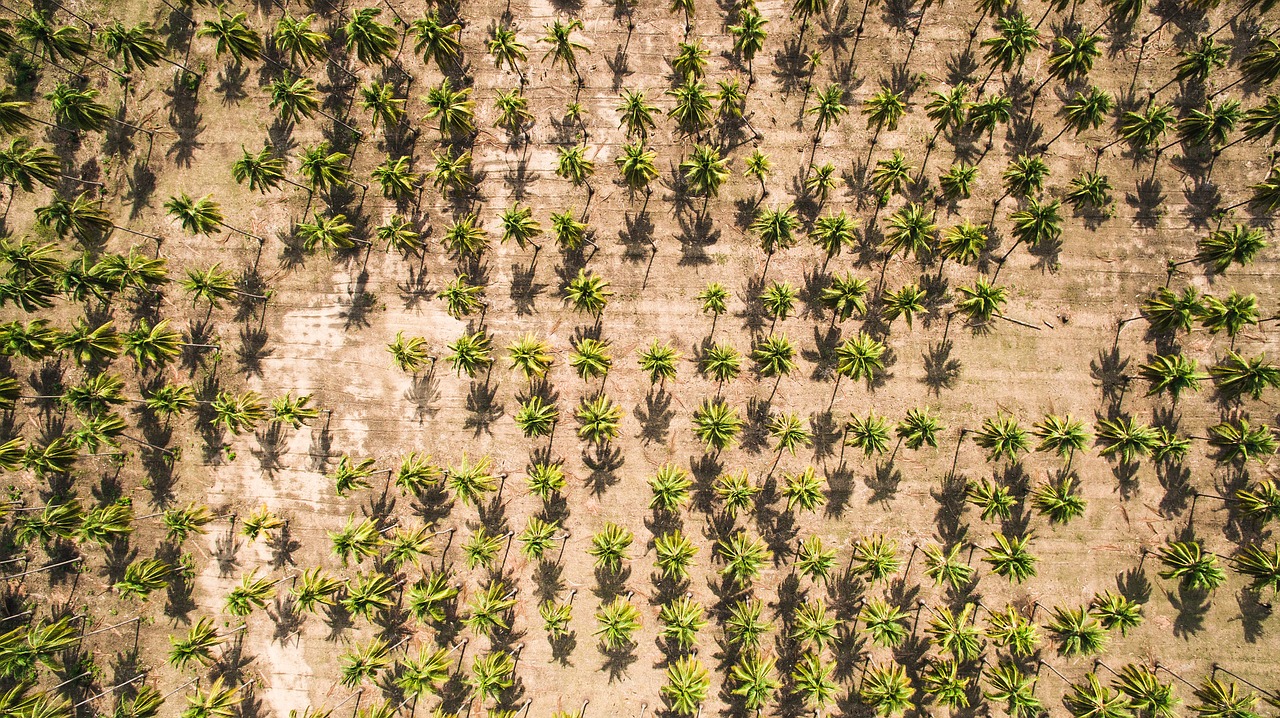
315,589
591,358
538,537
364,663
437,41
1007,684
749,36
410,354
743,556
141,578
692,108
428,598
912,229
1072,57
481,549
454,109
1261,66
944,565
588,292
774,356
152,345
1235,375
563,46
82,218
472,481
681,620
875,557
38,29
1115,611
1077,632
197,647
464,237
996,501
609,546
812,559
489,609
690,60
373,42
1011,629
1260,565
1145,692
470,352
379,98
779,299
869,433
884,622
424,674
1226,247
1025,176
829,107
906,302
555,618
506,49
1011,558
1091,699
1016,39
1237,441
745,624
891,175
1171,374
636,114
617,621
859,358
845,296
531,356
262,170
357,540
1231,314
296,38
636,165
776,228
705,170
251,593
325,169
1263,120
398,181
598,419
1090,190
957,182
755,680
1220,699
814,681
216,701
518,225
943,681
461,298
674,554
687,684
1210,126
1058,500
833,232
294,98
491,674
982,302
886,689
330,233
736,492
670,485
1002,436
884,109
24,165
716,424
659,362
238,413
232,36
1144,129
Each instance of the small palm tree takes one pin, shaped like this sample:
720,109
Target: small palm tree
481,549
860,358
776,229
518,225
943,681
891,175
705,170
636,165
1188,562
588,292
957,182
869,433
506,49
1011,558
472,481
1090,190
1226,247
1012,630
617,621
681,620
410,354
749,36
744,557
489,608
537,417
1115,611
315,589
454,109
815,561
598,419
461,298
141,578
531,356
674,554
756,683
196,647
875,557
1059,500
813,680
687,684
1145,691
1007,684
232,36
374,43
609,546
884,109
745,624
636,114
365,663
563,46
398,181
944,565
296,38
437,41
659,362
885,622
1077,633
736,492
720,362
887,689
216,701
829,107
1091,699
716,424
470,353
833,232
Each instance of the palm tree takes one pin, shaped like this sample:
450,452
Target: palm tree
617,621
716,424
1225,247
1017,38
736,492
1013,630
506,49
1263,120
24,166
330,233
365,663
1231,315
690,61
833,232
749,36
981,302
489,608
1224,700
875,557
1261,66
262,170
471,481
755,681
813,680
198,645
1011,558
884,622
891,175
681,620
744,556
659,362
995,500
38,29
670,485
1145,691
451,174
491,674
1211,126
399,182
1236,376
538,537
673,553
1091,699
886,689
758,166
78,110
481,548
1260,565
957,182
687,684
1025,176
598,419
564,47
943,681
869,433
591,358
776,229
636,114
373,42
141,578
1144,129
438,41
588,292
454,109
1058,500
883,110
315,589
519,226
216,701
912,229
1001,436
531,356
1260,503
636,165
1007,684
705,170
859,358
1115,611
294,98
464,237
232,36
692,108
720,362
1072,57
945,566
828,110
325,169
812,559
1237,441
424,674
296,37
1077,633
1091,190
427,599
409,353
745,624
906,302
380,99
1171,374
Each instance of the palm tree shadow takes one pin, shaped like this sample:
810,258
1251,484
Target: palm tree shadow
941,370
603,460
1192,606
883,482
655,416
618,659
